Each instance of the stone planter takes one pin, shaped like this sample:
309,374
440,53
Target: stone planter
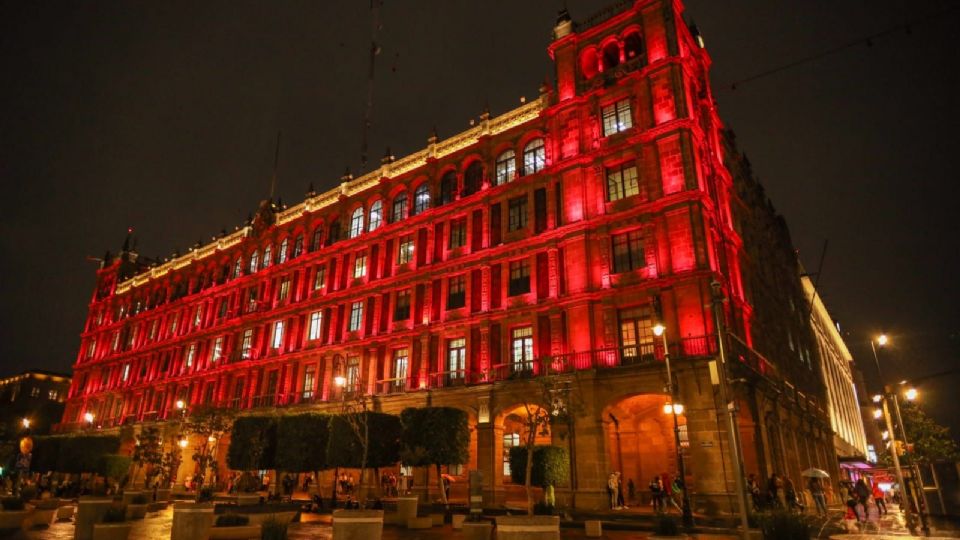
156,506
457,520
358,524
12,520
477,530
128,496
437,519
90,510
163,494
111,531
65,513
406,509
191,521
257,518
242,532
136,511
528,528
248,499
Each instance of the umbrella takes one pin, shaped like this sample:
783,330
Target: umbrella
815,473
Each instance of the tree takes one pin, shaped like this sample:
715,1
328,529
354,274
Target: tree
435,436
302,441
115,467
82,453
363,439
46,452
148,454
208,425
930,440
253,443
550,467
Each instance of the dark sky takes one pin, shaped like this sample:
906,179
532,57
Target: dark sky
163,116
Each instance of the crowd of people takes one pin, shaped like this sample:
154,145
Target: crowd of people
666,492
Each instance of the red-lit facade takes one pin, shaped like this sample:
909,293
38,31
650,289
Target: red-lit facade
552,237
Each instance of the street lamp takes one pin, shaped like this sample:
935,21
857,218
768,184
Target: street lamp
26,423
88,418
673,408
911,394
183,442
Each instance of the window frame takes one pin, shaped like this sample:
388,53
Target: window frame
623,181
616,117
505,167
534,156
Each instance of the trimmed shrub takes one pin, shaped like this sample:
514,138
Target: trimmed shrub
784,526
252,443
231,520
139,498
46,451
434,436
12,504
302,442
345,448
115,514
551,466
114,466
29,492
82,453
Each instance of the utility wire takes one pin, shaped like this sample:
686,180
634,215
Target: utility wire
905,27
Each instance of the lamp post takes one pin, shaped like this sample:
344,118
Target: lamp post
88,418
731,411
675,409
885,398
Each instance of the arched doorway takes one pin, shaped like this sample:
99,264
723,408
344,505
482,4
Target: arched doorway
640,440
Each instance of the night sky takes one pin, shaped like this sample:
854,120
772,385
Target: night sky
163,116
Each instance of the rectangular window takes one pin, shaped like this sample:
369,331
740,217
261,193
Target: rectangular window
616,117
319,279
401,310
636,334
308,377
360,266
284,289
277,335
316,321
456,292
519,277
191,352
91,347
356,316
509,441
52,395
628,252
246,343
126,375
405,251
517,214
622,182
297,247
401,362
456,359
521,349
458,233
399,208
353,373
217,349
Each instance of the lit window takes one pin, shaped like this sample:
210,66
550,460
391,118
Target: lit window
616,117
282,255
636,334
353,373
421,199
35,391
399,208
319,279
356,223
401,361
458,233
316,321
116,341
217,351
308,378
277,334
317,240
376,215
509,441
198,316
237,266
405,253
456,292
519,277
534,157
191,352
628,252
521,348
359,266
246,344
517,213
456,359
52,395
284,289
622,182
91,347
506,167
297,247
356,316
267,256
401,309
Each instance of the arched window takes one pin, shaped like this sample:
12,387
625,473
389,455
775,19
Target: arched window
399,208
448,188
534,157
267,256
633,46
297,247
356,222
588,63
611,55
376,215
421,198
317,240
282,255
472,178
506,167
237,267
254,261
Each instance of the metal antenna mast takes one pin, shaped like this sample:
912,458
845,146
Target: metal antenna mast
374,51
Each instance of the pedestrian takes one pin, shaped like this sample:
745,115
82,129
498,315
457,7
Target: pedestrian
790,494
677,487
878,499
631,491
819,497
862,494
656,494
612,491
773,491
753,487
620,501
668,495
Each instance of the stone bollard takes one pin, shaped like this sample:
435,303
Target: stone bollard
90,510
357,524
406,509
528,528
593,528
191,521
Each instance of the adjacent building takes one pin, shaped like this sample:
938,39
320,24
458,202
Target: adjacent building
35,395
548,240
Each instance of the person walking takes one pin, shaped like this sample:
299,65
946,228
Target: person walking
656,494
879,499
862,494
612,491
790,494
819,497
620,501
773,491
668,492
753,488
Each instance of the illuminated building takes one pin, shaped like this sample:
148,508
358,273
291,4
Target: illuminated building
549,238
36,395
